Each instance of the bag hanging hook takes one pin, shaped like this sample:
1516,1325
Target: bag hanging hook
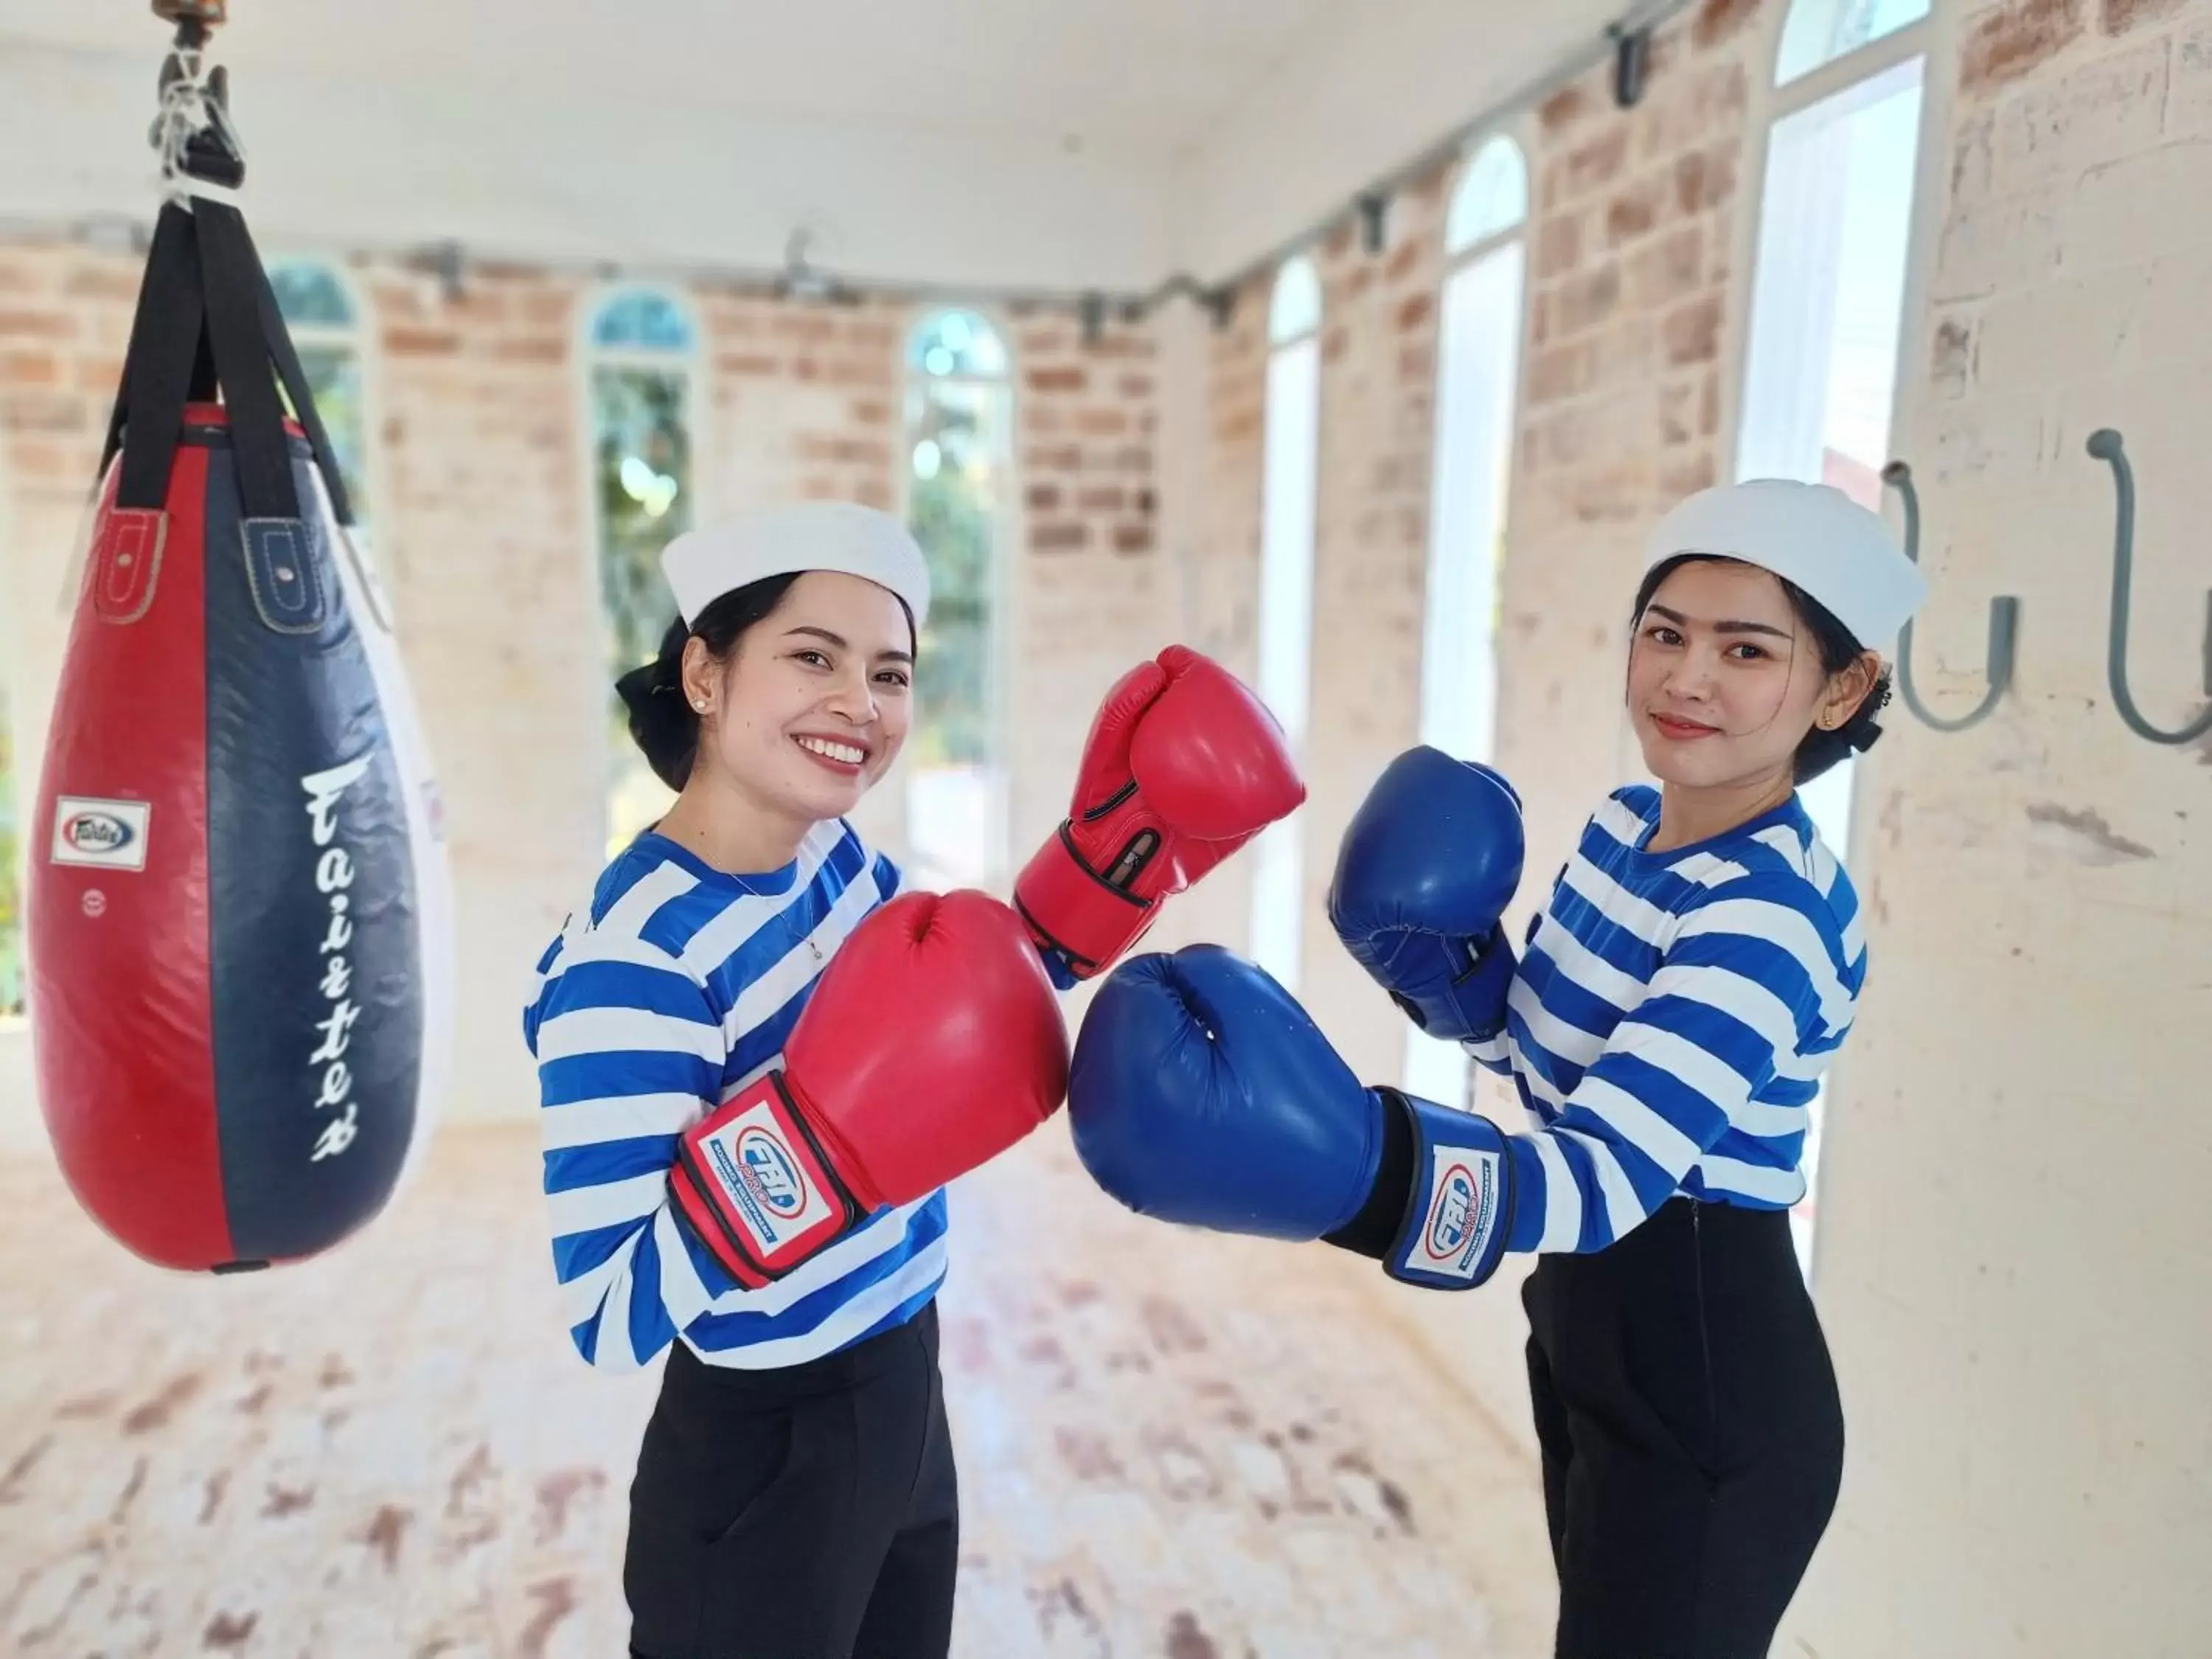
192,133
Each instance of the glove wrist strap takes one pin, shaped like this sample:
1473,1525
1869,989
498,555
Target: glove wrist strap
1073,909
754,1184
1459,1204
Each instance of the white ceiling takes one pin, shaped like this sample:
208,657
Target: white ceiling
1152,72
1061,144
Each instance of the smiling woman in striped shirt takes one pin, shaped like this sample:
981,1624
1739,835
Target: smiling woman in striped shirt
760,1061
1666,1025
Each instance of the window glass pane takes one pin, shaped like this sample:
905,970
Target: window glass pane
1819,32
641,477
643,320
334,382
959,443
957,343
315,307
1477,370
1295,308
310,295
1492,195
1285,677
1827,302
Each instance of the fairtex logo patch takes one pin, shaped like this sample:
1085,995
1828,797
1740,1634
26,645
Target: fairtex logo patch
768,1171
98,832
109,834
1462,1211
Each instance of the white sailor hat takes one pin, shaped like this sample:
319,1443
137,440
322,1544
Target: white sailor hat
1812,535
702,565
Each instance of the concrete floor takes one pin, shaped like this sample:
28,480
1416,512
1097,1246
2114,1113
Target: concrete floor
1170,1444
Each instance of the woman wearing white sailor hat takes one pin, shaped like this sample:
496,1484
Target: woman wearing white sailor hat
1696,970
1666,1024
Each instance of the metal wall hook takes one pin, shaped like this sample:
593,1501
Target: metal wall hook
2105,445
2004,625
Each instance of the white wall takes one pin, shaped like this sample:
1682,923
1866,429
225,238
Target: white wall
347,163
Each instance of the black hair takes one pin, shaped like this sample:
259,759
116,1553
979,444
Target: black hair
662,721
1839,649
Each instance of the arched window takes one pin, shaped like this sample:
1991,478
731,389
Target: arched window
641,348
1827,296
959,422
1477,375
1492,199
324,323
1286,575
1818,32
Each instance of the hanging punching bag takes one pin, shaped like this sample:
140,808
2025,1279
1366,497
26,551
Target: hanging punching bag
238,904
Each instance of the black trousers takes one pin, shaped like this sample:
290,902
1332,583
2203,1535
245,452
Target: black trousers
1692,1438
810,1512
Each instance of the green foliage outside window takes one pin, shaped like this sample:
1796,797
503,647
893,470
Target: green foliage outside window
315,308
642,473
951,511
958,415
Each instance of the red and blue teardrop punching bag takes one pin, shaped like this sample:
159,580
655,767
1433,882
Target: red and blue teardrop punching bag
238,900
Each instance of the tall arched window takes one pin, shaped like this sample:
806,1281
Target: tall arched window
1828,296
1477,375
1286,560
11,909
324,323
641,354
959,424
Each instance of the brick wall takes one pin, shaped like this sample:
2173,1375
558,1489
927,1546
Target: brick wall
479,445
1214,571
1370,571
1087,422
1631,241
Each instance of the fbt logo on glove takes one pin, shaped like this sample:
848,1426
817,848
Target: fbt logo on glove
108,835
763,1184
768,1173
1462,1211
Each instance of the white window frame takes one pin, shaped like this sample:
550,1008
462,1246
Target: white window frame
1433,1067
1928,39
1285,615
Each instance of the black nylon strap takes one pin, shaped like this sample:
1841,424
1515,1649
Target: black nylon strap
157,369
279,340
231,281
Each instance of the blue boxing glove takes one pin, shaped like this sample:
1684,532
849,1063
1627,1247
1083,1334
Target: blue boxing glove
1425,872
1201,1093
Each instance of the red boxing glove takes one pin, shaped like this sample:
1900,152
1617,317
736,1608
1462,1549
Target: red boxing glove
933,1043
1183,766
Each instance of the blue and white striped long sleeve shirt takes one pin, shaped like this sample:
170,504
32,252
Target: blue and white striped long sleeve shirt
678,988
1670,1019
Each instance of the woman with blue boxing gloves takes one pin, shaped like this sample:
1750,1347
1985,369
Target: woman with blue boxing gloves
1666,1025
